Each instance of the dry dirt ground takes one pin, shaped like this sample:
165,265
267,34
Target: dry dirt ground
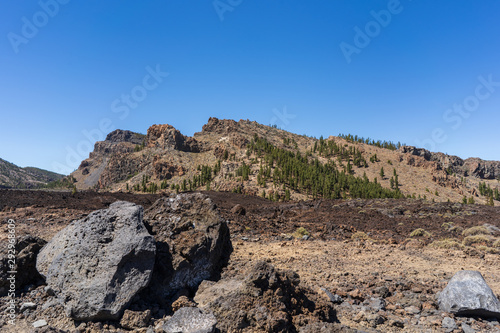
360,249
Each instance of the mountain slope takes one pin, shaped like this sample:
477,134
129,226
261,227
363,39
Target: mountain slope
12,176
254,159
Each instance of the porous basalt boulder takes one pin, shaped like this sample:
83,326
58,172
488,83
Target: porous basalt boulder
192,240
97,264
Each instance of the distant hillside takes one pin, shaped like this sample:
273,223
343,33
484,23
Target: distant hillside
12,176
251,158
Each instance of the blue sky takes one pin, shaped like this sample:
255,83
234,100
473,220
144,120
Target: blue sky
425,73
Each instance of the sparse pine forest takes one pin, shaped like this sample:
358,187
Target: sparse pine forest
381,144
305,174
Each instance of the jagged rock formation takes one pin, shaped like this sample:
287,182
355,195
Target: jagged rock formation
167,137
192,241
97,264
264,299
453,164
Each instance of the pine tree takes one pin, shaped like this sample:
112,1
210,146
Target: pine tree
382,173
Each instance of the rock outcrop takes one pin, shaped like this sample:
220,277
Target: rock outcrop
220,126
192,241
470,167
468,294
118,141
263,298
168,137
125,136
26,250
97,264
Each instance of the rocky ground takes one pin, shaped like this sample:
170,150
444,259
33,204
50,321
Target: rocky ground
312,266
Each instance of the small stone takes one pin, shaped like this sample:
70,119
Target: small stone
182,302
361,316
335,299
39,323
467,329
377,304
135,319
382,291
412,309
448,324
397,323
49,290
27,305
190,320
238,210
356,294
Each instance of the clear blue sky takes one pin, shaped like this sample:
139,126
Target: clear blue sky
68,66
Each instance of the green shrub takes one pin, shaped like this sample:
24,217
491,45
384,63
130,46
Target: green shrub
477,230
359,235
477,239
496,243
300,232
419,233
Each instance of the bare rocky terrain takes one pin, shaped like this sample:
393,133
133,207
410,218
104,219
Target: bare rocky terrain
375,265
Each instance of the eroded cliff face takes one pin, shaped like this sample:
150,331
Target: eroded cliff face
167,137
163,153
474,167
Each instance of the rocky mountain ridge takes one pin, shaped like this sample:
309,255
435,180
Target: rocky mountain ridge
471,166
13,176
166,160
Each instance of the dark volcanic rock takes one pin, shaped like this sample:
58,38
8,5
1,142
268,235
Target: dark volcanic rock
125,136
468,294
26,250
263,298
238,210
97,264
192,240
